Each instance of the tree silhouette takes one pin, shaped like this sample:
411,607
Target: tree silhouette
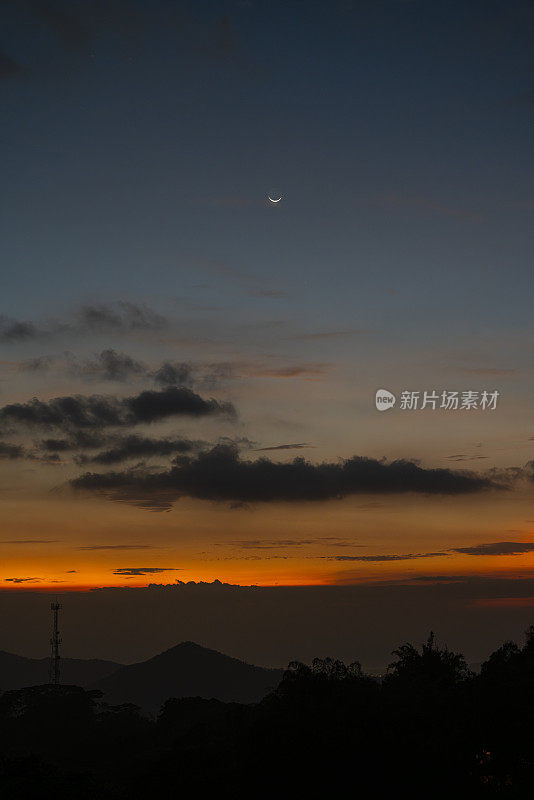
430,725
429,667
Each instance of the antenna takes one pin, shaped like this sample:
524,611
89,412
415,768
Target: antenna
55,641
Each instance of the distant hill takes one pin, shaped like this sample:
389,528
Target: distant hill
18,671
187,670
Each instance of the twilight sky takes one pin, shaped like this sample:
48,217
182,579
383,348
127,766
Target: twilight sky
171,342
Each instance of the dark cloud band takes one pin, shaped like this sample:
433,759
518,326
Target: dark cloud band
221,475
131,572
496,549
380,558
130,447
97,411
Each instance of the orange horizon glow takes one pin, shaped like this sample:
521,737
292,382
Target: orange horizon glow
68,543
310,573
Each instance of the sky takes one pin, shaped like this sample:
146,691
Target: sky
188,371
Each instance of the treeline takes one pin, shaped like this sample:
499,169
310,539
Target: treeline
429,728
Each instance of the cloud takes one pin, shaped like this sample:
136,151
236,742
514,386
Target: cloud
439,578
189,374
140,447
118,317
78,440
173,374
396,557
78,412
225,43
318,335
36,364
131,571
74,26
107,365
12,330
8,67
488,549
220,475
10,451
510,475
496,549
98,411
465,457
110,365
265,544
116,547
295,371
117,448
329,541
226,371
274,544
296,446
65,25
23,580
150,406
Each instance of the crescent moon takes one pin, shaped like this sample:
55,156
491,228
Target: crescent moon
273,200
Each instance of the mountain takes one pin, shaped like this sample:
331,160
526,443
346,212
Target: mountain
187,670
18,671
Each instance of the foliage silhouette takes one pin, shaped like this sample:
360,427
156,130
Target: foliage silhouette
430,726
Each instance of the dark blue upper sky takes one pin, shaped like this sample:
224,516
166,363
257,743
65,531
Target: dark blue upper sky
139,140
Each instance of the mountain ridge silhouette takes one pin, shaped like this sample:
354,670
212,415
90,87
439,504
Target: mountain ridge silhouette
18,671
187,670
